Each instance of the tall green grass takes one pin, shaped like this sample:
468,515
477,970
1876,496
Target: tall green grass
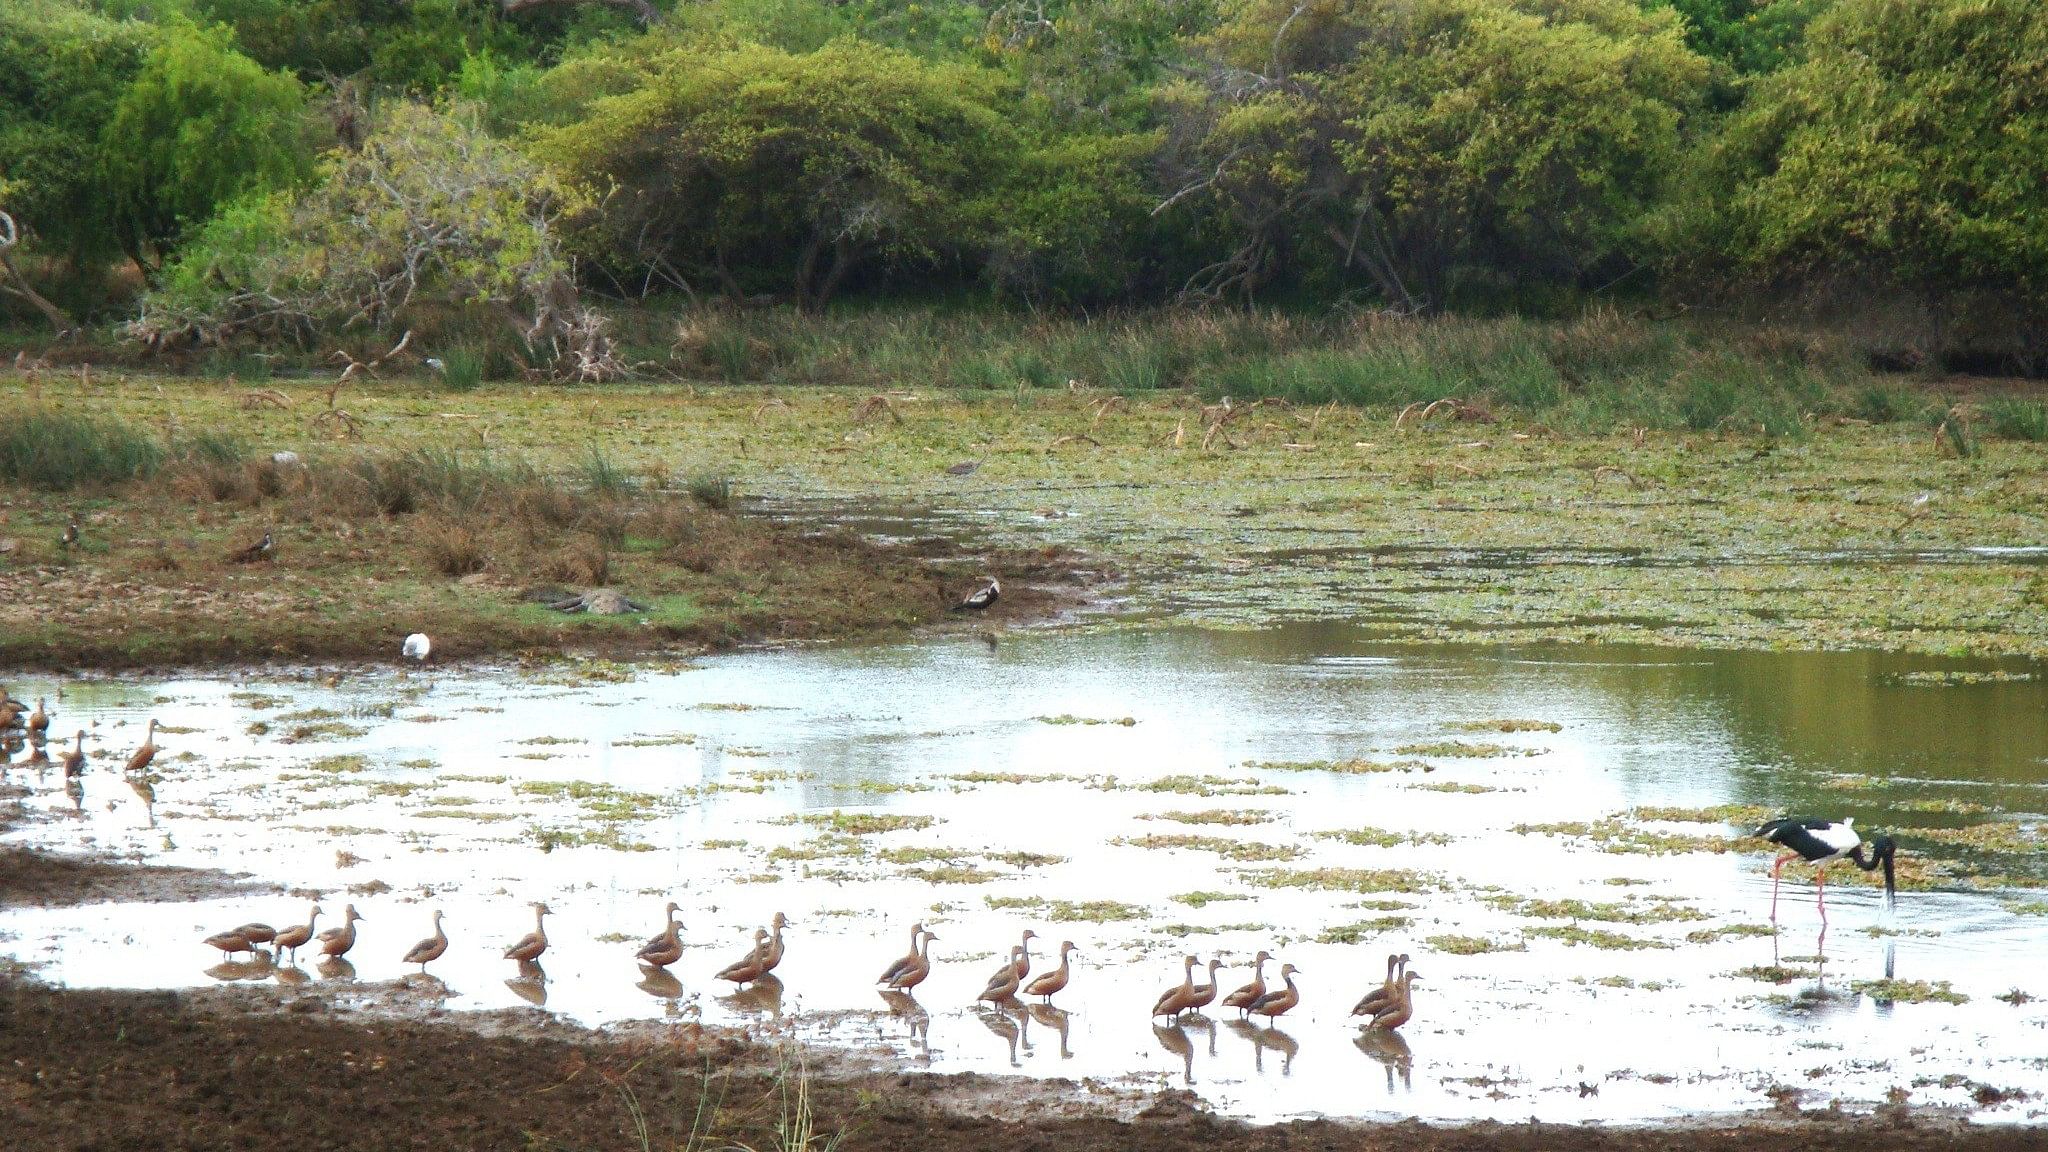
60,451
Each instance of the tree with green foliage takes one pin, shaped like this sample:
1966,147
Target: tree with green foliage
1906,149
758,168
1751,36
429,212
1433,143
199,125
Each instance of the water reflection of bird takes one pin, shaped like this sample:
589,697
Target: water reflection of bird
1052,981
659,983
1246,996
905,1007
762,997
1391,1050
1174,999
257,967
749,969
290,975
429,950
293,938
1271,1039
908,976
336,942
904,961
1174,1039
144,788
74,789
1822,842
1056,1019
529,947
531,985
1001,1023
1379,997
336,969
1400,1008
666,947
1274,1004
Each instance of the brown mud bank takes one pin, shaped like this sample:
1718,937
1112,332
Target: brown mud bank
218,1069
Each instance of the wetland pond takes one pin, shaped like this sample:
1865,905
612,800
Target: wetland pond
1553,834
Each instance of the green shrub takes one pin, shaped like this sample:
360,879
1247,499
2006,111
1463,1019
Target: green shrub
59,451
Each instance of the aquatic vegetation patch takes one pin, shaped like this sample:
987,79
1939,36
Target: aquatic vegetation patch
1952,678
1624,982
953,874
2002,837
1623,837
322,730
1009,777
307,715
257,700
1184,930
1353,767
1245,851
477,815
1066,718
1463,750
1021,859
1380,837
717,845
1741,815
546,740
1943,807
1070,911
601,801
1506,726
352,762
1771,973
1457,945
1713,935
1576,934
661,740
1909,991
1228,816
1633,912
1195,786
1358,932
468,778
860,823
1463,789
1362,880
547,839
1204,899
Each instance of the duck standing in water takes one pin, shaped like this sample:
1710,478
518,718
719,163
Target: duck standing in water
1249,994
1274,1004
666,947
430,949
529,947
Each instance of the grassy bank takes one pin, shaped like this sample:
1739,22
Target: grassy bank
1485,517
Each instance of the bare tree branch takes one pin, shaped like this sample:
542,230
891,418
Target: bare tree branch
10,235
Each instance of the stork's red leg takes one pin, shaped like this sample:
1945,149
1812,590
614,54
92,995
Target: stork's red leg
1820,887
1775,869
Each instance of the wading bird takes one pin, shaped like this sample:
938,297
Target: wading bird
667,945
1273,1004
1172,1001
529,947
430,949
1820,843
335,942
1249,994
144,754
909,958
749,970
908,976
772,955
293,937
1054,980
74,760
1204,994
39,720
1377,999
978,600
1399,1008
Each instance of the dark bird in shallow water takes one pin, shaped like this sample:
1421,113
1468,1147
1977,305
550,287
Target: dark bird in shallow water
1822,842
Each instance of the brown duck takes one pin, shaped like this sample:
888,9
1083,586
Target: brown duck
1245,997
750,969
38,720
1401,1009
1022,954
1174,999
74,760
904,961
232,942
292,938
1052,981
144,754
910,975
1383,995
667,945
1002,987
1274,1004
1204,994
335,942
774,953
429,950
528,948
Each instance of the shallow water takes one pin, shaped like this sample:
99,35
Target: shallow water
701,767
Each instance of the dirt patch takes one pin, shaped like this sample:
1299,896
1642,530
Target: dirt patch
52,881
236,1068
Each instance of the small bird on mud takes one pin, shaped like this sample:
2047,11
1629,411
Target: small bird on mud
260,550
70,538
416,647
980,600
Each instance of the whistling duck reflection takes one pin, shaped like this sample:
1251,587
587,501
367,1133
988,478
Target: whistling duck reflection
336,968
905,1007
1055,1019
1174,1039
1002,1024
762,997
1391,1050
1265,1039
531,985
259,967
661,984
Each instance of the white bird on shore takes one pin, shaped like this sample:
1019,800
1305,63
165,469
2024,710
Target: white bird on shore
417,647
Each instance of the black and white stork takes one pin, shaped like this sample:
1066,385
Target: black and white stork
979,600
1820,843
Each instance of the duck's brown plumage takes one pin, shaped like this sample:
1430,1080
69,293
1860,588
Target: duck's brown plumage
336,942
910,975
905,960
1054,980
529,947
666,947
39,720
1023,954
748,970
231,942
1002,987
773,957
1277,1003
1204,994
1172,1000
1246,996
146,753
1401,1009
295,936
74,760
1383,995
429,950
257,933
